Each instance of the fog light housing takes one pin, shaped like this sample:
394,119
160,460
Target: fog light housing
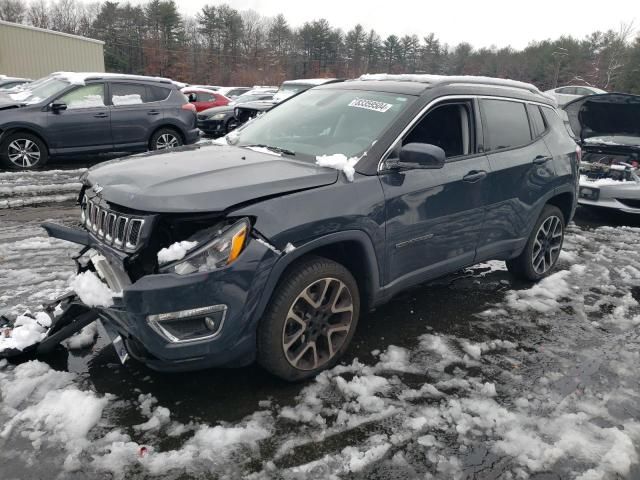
189,325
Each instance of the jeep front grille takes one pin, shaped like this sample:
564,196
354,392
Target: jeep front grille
122,231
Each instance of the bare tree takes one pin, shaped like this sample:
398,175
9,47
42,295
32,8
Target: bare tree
38,14
12,10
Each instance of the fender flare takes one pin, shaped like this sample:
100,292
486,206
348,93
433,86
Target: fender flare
35,129
359,236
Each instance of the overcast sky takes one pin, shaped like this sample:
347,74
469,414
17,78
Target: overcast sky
482,22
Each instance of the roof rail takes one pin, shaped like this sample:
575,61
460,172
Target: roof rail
433,80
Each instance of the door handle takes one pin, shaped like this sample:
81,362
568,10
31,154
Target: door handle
541,159
474,176
101,115
153,112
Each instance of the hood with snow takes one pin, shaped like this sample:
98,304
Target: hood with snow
203,178
606,115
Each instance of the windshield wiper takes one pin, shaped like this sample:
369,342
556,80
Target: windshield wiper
280,150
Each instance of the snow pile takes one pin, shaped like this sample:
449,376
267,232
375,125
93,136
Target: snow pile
288,248
92,291
340,162
44,407
82,339
27,330
176,251
543,296
132,99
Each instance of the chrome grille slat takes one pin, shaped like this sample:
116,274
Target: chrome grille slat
120,230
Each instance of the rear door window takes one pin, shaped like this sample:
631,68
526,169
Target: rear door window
128,94
505,124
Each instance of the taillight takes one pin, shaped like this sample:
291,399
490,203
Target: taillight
189,106
578,153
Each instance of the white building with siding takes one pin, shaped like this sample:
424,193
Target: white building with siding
32,52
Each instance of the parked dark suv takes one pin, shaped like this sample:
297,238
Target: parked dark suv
269,248
71,113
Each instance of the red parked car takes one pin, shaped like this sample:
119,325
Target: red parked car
202,98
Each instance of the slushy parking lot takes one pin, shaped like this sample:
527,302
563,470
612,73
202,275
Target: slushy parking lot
473,376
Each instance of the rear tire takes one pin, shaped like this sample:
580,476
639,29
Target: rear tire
164,139
543,248
310,320
23,151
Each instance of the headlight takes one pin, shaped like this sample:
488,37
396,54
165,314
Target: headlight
222,250
218,116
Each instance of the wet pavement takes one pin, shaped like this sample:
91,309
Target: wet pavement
472,376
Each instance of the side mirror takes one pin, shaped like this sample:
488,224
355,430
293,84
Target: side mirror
420,156
58,106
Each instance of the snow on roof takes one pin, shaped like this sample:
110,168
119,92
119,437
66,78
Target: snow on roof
79,78
434,79
309,81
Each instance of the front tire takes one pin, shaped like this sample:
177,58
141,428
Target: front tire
310,320
543,248
23,151
165,138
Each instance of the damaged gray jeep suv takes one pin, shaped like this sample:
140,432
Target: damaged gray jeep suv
271,246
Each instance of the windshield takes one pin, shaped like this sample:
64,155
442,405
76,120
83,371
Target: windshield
324,122
38,93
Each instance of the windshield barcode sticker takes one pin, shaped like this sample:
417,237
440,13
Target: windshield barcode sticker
370,105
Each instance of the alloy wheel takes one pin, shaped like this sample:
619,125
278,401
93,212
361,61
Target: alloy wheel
547,244
23,152
317,324
167,140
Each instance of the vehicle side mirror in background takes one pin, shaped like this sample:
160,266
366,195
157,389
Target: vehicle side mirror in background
58,106
420,156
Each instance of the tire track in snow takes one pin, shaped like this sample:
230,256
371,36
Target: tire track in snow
33,267
20,189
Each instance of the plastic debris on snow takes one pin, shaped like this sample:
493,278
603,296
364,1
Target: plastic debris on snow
92,291
176,251
27,330
340,162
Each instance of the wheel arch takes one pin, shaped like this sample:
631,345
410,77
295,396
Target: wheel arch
565,201
26,129
339,247
171,126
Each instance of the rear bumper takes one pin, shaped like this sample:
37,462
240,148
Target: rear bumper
192,136
238,287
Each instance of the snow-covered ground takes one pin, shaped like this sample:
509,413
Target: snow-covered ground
475,376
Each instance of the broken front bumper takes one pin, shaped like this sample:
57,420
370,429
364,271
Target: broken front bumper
147,314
